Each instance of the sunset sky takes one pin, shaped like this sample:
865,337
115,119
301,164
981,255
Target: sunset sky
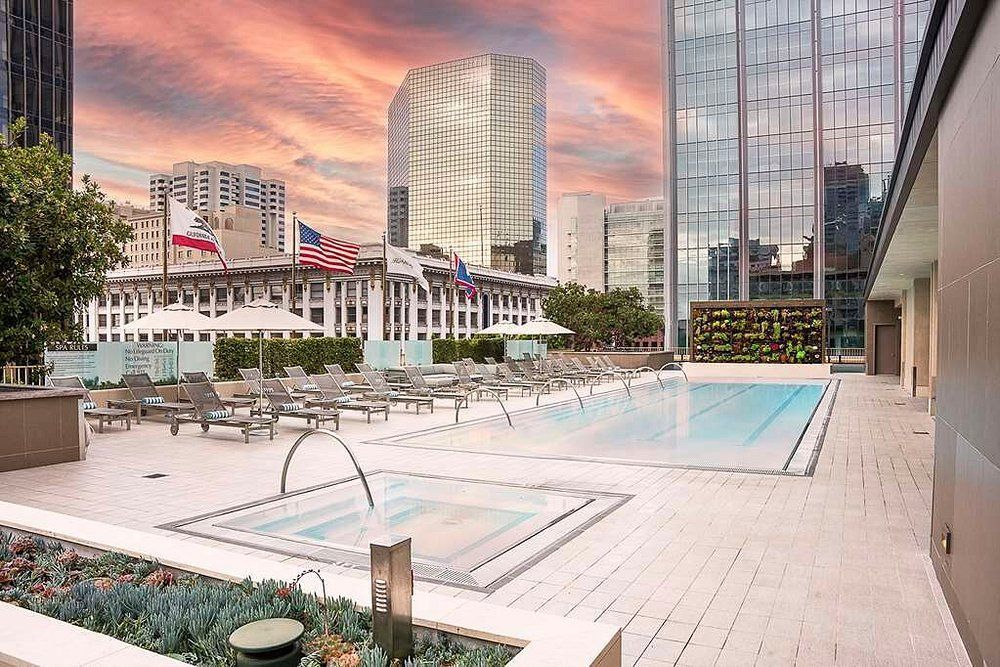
300,87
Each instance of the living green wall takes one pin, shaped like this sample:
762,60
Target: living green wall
310,353
757,333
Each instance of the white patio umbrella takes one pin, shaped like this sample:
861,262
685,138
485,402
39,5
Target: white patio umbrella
262,315
502,328
175,317
542,327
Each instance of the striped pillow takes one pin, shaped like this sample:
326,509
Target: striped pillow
290,407
152,400
216,414
392,394
88,405
309,387
347,383
343,399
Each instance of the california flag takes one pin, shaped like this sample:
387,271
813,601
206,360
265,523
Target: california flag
187,229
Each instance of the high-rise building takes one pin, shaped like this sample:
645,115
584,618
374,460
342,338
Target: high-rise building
779,131
579,234
466,161
214,186
633,248
37,79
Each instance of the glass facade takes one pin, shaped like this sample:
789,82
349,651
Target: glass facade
786,111
37,82
633,248
467,162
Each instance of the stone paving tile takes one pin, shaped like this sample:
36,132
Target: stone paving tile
820,570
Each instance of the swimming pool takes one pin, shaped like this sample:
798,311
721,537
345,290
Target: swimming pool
465,532
733,425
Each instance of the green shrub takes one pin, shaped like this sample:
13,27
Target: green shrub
447,350
310,353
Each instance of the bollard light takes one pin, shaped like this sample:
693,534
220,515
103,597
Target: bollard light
392,595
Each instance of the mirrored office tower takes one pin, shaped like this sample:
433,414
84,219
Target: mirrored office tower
37,79
466,162
780,119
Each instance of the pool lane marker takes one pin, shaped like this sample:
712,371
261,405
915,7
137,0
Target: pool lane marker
756,433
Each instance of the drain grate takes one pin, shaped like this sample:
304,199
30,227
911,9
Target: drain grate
155,475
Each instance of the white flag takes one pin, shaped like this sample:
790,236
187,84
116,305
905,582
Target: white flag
401,263
187,229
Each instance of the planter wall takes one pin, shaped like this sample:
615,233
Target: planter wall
772,332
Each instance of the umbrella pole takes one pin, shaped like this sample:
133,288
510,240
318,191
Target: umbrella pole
260,366
177,365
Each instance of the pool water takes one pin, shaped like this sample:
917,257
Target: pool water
456,525
741,425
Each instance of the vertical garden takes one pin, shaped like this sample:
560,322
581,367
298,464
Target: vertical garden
780,332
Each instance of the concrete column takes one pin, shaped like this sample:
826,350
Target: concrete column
413,292
932,356
916,328
360,291
341,287
329,321
390,287
375,312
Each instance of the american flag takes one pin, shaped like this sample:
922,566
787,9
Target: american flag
325,252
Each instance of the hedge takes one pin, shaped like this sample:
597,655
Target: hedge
447,350
766,333
310,353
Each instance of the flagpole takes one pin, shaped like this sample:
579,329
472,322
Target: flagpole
295,250
451,294
385,301
166,203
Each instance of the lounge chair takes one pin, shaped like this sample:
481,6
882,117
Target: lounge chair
209,410
90,407
491,361
508,378
422,388
347,384
234,402
252,378
364,368
282,404
147,397
465,380
331,391
380,389
301,379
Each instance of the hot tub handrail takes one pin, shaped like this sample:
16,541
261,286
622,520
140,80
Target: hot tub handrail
677,367
328,432
538,396
616,374
465,400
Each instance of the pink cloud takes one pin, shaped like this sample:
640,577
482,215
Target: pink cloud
301,89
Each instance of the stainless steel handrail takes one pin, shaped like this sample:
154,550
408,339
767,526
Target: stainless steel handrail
616,374
325,431
465,400
677,365
538,397
634,372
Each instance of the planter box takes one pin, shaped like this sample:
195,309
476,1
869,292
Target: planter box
40,426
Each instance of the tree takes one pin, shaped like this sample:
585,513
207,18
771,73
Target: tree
614,319
56,246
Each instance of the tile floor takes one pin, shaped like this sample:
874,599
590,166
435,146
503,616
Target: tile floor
699,568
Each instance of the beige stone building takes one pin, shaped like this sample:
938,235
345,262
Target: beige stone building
238,228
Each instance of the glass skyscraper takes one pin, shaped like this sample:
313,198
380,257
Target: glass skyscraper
466,162
37,80
780,120
633,248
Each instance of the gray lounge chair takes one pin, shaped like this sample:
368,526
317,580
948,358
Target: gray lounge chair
330,391
282,404
347,384
300,379
382,390
508,378
234,402
421,387
148,398
465,380
90,407
209,410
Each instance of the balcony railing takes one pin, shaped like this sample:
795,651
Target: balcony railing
27,375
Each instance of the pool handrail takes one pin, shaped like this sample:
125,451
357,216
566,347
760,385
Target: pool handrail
617,374
465,401
638,371
538,396
678,366
328,432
